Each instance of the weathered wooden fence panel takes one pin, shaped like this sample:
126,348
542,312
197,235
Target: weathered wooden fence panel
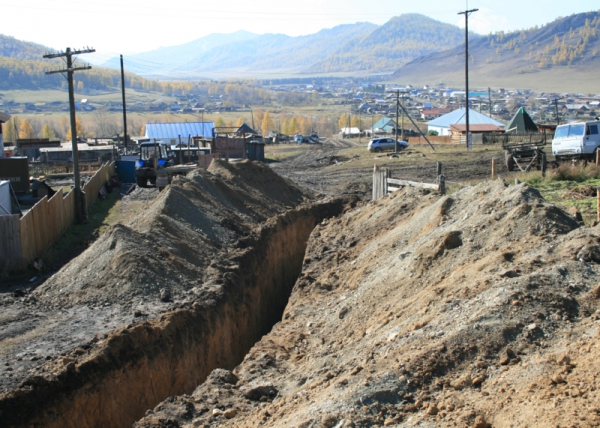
92,187
433,139
379,183
45,223
10,244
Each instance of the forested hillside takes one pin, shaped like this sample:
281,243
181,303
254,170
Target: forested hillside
400,40
13,48
564,50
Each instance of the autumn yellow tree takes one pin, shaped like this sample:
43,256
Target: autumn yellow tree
343,122
26,130
267,123
293,126
48,132
79,130
239,122
219,123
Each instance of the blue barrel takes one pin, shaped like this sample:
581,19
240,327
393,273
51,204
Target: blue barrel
126,171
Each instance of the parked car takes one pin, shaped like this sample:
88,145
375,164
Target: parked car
380,144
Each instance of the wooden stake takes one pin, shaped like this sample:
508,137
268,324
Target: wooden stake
598,202
493,169
597,157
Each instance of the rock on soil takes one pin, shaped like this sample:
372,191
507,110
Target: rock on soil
474,309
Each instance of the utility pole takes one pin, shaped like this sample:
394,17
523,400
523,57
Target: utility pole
489,102
124,105
467,13
397,92
80,207
556,109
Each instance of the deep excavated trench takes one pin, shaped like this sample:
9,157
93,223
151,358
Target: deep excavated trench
136,367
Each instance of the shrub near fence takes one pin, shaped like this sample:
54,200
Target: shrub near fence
41,226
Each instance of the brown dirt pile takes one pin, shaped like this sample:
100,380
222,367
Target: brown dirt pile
164,252
474,309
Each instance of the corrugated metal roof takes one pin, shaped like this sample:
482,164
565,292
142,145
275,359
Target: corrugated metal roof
176,129
458,117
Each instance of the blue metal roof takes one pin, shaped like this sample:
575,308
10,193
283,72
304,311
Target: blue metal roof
176,129
384,123
457,117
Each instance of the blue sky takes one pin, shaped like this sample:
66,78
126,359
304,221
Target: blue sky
113,27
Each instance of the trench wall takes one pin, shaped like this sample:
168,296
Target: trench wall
138,367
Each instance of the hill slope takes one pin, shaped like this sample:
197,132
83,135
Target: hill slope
562,54
400,40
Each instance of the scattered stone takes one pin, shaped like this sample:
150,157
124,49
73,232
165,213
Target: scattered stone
480,422
432,410
165,295
478,380
257,392
462,382
355,370
596,292
558,378
506,356
564,360
343,312
329,421
217,412
230,413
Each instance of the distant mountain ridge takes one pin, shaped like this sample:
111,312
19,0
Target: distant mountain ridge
402,39
350,47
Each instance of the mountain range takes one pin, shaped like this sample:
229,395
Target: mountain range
361,46
561,56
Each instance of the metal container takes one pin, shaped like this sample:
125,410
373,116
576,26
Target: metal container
15,170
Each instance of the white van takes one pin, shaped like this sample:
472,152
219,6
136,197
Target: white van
576,140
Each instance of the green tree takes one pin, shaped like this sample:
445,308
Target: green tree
48,132
26,130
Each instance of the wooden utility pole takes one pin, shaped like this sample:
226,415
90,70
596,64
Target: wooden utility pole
80,207
124,105
467,13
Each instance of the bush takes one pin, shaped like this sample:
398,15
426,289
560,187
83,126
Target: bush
577,173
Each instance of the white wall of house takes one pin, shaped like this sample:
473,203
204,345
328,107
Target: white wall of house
442,132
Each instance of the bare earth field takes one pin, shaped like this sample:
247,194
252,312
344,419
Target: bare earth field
239,298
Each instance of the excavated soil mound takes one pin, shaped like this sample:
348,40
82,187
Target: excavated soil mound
154,305
475,309
165,251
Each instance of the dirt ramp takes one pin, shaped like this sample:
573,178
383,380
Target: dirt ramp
169,245
474,309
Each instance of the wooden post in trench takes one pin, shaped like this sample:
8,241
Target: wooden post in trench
598,203
597,157
493,169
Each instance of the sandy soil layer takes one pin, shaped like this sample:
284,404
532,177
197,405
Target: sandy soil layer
475,309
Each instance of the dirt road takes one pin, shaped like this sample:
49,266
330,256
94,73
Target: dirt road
345,166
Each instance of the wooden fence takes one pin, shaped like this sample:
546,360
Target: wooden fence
433,139
22,240
92,187
382,181
45,223
10,242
